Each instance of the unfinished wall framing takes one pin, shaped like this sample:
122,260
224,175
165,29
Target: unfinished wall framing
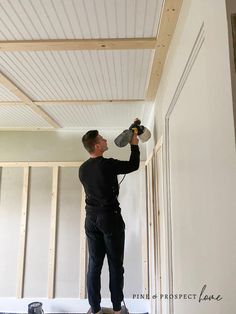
42,234
27,172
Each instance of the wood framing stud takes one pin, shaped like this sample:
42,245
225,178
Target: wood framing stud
78,44
83,250
53,232
23,231
169,17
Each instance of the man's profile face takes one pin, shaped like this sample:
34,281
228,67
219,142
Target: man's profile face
102,142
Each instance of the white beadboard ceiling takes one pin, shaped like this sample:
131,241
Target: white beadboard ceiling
53,85
20,117
6,95
81,75
72,19
93,115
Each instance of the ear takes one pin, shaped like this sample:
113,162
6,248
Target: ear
96,146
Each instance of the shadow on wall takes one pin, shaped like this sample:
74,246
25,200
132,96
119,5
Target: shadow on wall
155,133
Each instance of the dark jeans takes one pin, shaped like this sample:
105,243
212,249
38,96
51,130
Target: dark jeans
106,235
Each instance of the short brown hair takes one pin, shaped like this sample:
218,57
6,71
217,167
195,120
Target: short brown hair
89,140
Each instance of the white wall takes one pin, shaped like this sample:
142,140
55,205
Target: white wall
194,113
58,146
54,146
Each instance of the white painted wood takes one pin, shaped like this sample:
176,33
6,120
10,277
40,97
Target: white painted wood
158,235
152,14
99,116
107,18
19,116
150,226
77,19
23,234
152,248
80,74
83,251
6,95
53,232
130,7
28,129
159,144
161,225
154,235
145,264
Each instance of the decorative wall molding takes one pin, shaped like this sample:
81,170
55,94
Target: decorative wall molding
187,69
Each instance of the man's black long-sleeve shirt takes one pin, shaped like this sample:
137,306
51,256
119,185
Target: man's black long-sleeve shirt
99,178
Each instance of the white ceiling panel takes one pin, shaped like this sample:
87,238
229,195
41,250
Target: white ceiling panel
20,117
84,75
6,95
73,86
78,19
96,116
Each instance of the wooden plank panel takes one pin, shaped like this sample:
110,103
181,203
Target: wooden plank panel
23,231
53,231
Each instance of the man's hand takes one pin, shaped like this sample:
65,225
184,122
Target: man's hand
135,139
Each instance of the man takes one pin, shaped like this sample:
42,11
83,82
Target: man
104,225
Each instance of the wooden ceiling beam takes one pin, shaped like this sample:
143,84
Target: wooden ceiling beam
25,100
168,21
78,44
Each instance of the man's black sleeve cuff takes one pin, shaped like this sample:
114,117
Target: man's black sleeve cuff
134,148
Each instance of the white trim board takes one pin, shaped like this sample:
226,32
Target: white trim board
68,305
